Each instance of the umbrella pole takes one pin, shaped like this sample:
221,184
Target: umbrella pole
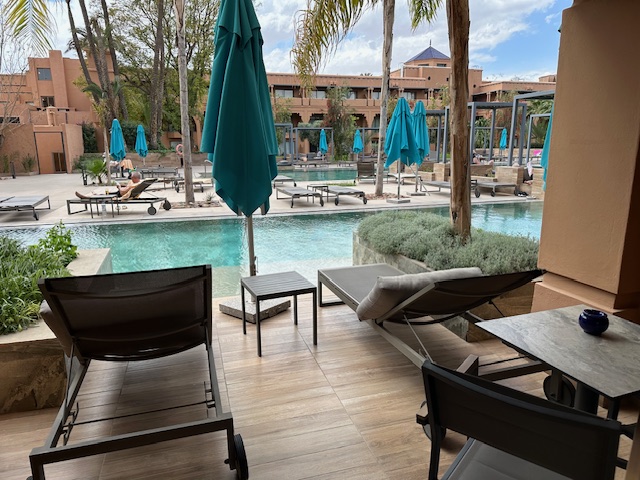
252,258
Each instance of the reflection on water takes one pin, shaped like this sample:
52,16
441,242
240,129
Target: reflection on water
304,243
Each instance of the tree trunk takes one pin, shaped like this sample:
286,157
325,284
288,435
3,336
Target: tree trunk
184,102
78,47
114,59
458,20
387,20
157,80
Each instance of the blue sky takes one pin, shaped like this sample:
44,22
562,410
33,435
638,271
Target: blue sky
509,38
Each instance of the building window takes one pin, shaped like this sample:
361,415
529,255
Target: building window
351,96
375,95
10,120
408,95
47,102
318,94
441,64
284,93
44,74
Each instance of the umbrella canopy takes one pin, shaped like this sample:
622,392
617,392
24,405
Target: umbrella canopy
503,139
357,142
238,130
116,146
401,143
544,157
141,142
324,148
420,130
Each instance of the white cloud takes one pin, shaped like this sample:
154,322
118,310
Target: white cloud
493,23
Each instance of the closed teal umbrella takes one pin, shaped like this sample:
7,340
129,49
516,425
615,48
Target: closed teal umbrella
238,131
141,143
503,139
116,146
420,130
323,147
400,144
544,157
357,142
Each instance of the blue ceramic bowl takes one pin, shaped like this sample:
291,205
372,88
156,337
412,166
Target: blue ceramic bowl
593,322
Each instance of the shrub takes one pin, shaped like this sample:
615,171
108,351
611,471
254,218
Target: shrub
20,269
429,238
89,138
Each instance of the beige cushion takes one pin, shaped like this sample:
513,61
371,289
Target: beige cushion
391,291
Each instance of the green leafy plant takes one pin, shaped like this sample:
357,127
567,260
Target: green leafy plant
20,269
96,169
28,163
58,241
5,162
89,139
429,238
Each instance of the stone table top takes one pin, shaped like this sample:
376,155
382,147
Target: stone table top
609,363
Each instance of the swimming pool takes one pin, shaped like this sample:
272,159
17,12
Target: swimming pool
304,243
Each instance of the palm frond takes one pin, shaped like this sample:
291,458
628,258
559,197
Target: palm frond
319,29
423,11
31,21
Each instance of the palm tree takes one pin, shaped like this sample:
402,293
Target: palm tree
178,6
325,23
31,21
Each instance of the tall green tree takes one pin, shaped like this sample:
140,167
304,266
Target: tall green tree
341,120
325,23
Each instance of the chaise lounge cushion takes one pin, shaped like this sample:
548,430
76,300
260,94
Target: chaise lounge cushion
389,292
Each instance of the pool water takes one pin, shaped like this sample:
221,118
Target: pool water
304,243
312,174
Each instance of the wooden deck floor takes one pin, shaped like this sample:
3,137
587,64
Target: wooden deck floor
342,410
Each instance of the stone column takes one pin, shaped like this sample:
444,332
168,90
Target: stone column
590,242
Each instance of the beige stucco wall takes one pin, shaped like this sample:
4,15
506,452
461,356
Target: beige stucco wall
591,220
18,144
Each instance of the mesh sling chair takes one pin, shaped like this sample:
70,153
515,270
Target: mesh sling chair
514,435
131,317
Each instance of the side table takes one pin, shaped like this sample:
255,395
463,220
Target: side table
277,285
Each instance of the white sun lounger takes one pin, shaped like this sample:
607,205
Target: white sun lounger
20,204
299,192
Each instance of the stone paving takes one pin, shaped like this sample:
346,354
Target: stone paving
60,187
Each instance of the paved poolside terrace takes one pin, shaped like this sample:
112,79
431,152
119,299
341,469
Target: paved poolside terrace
61,187
344,409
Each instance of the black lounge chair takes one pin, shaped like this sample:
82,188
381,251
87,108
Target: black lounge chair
132,317
299,192
20,204
134,196
514,435
349,191
380,293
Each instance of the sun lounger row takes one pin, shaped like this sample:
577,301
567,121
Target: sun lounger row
21,204
337,190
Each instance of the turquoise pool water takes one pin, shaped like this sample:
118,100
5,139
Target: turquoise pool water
304,243
312,174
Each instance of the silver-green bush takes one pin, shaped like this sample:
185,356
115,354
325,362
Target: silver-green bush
429,238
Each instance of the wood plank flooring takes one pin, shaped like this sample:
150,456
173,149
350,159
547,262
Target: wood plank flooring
344,409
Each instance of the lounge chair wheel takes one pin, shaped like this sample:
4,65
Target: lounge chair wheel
291,202
364,200
427,431
493,193
477,193
295,184
177,188
152,210
242,467
567,392
337,201
35,215
322,202
166,205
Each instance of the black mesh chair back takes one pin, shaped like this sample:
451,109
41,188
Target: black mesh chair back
563,440
131,316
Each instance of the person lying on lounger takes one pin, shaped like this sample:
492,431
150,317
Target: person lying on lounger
122,191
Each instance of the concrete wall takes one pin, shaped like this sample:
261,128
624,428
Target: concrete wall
591,220
33,372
